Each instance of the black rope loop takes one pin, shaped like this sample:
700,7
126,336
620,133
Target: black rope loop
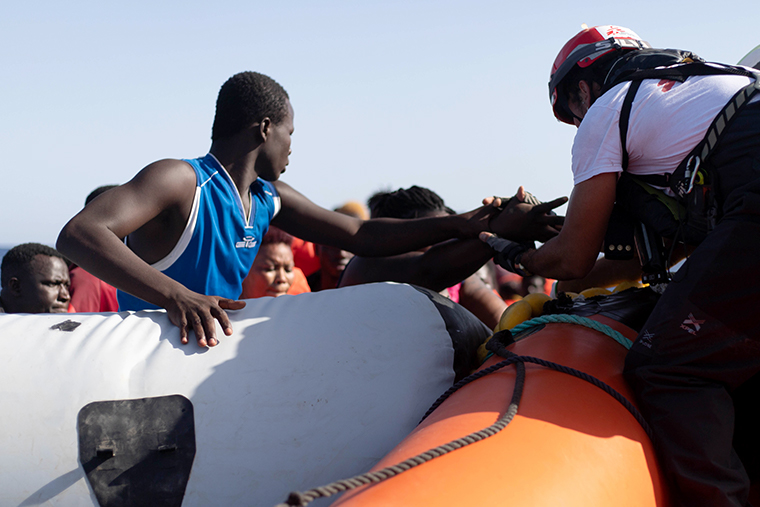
500,349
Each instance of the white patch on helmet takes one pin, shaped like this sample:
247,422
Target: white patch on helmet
619,32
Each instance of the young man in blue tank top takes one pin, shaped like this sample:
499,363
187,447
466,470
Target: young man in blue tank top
182,234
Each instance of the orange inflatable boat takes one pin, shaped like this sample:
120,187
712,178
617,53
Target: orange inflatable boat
569,443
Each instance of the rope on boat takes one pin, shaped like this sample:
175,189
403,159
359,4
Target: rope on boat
500,349
496,346
574,319
301,499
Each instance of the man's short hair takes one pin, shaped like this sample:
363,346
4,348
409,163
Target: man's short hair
247,98
20,257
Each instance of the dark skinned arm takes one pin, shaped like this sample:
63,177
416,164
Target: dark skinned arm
441,266
388,236
371,238
93,239
481,301
448,263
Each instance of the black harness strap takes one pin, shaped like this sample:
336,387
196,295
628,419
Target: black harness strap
657,180
625,114
705,147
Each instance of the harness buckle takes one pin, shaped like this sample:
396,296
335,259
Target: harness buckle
692,169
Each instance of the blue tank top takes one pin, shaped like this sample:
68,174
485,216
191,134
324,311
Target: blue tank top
217,247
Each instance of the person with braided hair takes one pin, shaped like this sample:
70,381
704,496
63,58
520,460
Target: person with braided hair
450,267
412,202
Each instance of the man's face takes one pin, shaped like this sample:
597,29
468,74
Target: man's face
276,149
45,287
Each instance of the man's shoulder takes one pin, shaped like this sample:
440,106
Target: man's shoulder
171,164
167,174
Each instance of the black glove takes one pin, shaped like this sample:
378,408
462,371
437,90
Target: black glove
508,253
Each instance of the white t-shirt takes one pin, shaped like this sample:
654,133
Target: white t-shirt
667,121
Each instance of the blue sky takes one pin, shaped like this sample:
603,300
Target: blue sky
449,94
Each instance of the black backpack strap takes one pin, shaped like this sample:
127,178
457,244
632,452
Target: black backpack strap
657,180
625,115
649,63
678,72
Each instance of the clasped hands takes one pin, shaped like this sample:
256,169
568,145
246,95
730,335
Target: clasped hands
521,220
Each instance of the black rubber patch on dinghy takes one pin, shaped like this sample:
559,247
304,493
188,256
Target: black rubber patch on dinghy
138,452
466,330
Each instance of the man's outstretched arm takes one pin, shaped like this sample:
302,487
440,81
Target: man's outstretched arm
371,238
93,239
441,266
382,237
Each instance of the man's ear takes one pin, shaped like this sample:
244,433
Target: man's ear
264,128
584,91
14,286
592,90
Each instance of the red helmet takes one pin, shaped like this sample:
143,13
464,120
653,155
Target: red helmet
584,49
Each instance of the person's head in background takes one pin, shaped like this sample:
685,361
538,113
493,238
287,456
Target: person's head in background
533,284
34,279
333,260
513,287
95,193
412,202
272,270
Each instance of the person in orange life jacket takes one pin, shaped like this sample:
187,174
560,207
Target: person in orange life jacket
273,270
